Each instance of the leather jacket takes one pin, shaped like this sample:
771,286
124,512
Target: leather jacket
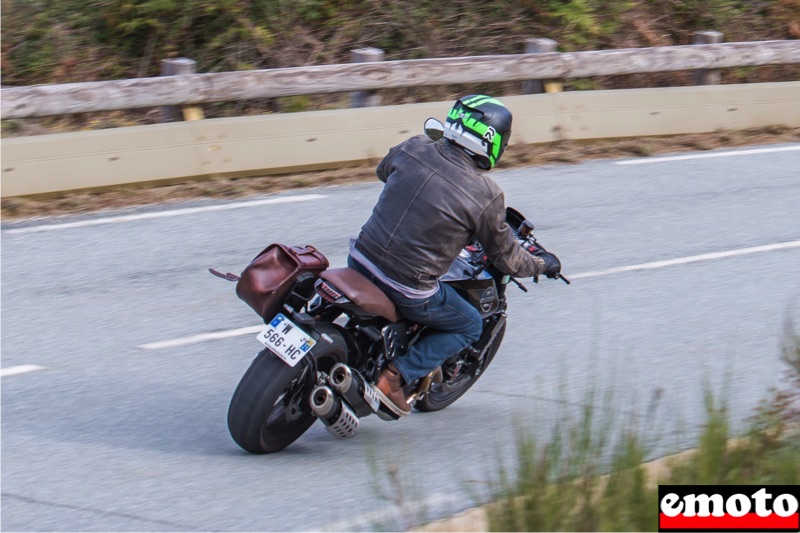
434,203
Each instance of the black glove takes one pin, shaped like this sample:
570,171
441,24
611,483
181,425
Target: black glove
552,266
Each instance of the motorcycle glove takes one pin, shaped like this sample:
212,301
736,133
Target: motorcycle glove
552,266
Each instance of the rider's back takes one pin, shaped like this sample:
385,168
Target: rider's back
434,202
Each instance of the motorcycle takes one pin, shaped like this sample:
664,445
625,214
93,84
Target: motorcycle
334,332
329,333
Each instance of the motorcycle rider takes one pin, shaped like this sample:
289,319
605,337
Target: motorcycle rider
434,203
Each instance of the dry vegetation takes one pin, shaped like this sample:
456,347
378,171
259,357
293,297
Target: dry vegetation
68,41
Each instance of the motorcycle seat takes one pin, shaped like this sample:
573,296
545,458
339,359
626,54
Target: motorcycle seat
362,292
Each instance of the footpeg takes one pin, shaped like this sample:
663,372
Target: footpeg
388,410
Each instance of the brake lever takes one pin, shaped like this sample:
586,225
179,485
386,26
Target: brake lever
531,241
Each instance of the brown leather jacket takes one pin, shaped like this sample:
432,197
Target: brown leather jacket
434,203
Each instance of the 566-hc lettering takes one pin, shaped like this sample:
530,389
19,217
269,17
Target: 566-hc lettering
286,340
279,342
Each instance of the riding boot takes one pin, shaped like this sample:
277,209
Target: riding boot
390,390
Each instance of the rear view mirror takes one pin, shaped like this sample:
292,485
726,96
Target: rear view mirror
522,226
434,129
514,218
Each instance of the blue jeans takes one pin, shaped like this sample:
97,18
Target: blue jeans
456,323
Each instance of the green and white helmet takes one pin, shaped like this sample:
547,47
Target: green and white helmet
482,126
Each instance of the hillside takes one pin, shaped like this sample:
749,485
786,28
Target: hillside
69,40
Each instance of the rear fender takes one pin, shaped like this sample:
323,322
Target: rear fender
331,346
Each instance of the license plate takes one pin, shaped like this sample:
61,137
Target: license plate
286,339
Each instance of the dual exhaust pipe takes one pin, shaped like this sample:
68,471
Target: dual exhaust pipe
338,417
346,398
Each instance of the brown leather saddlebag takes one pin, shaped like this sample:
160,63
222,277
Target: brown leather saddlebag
267,280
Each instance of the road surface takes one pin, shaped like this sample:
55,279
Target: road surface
120,351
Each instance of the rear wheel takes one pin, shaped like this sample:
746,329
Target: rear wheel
269,409
450,390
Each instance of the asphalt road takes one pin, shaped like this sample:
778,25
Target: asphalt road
107,435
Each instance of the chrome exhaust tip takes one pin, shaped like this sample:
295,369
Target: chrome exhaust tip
322,401
354,389
336,415
341,378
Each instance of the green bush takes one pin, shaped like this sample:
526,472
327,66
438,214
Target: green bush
586,478
69,40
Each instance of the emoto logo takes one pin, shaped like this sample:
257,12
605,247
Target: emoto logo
728,508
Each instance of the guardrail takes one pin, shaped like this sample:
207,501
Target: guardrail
277,143
44,100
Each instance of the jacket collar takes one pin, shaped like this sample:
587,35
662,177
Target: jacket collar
461,154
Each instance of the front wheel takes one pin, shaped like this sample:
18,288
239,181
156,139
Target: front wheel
269,409
448,391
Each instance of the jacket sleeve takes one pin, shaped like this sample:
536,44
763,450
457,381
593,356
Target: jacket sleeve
385,167
499,244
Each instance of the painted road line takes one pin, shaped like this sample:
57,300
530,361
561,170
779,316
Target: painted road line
183,341
687,260
194,339
21,369
164,214
646,160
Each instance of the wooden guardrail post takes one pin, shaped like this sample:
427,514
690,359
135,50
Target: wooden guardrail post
197,89
366,98
540,46
707,76
176,67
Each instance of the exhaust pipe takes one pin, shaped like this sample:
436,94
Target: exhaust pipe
355,391
352,386
337,416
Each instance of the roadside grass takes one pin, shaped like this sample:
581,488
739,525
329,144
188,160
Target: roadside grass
590,476
401,488
595,472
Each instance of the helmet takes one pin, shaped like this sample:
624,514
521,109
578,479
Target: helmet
482,126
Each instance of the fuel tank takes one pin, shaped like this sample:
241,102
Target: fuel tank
479,290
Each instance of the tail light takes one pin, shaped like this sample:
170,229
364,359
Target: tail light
330,293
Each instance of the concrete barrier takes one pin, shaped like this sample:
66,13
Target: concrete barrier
318,139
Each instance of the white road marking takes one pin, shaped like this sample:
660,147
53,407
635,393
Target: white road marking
646,160
689,259
165,214
194,339
183,341
21,369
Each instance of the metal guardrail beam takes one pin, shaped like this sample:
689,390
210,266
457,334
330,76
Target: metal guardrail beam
45,100
279,143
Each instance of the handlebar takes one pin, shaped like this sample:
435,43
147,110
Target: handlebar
527,239
524,234
562,278
523,231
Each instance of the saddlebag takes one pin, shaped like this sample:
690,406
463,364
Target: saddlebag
267,280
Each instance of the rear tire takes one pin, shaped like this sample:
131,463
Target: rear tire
269,409
446,393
